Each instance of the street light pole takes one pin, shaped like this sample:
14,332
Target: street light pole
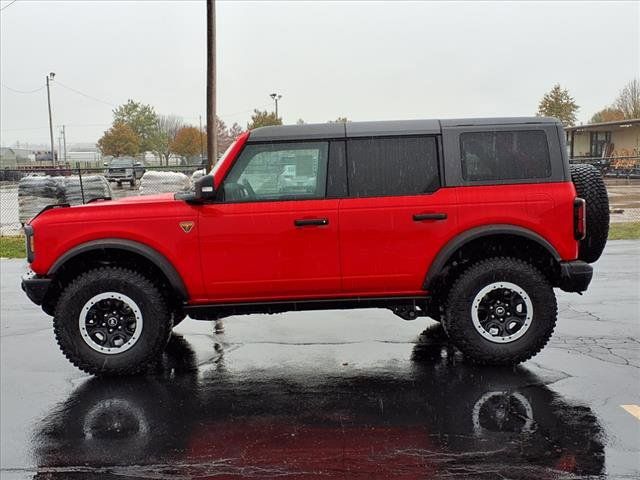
53,158
276,97
212,130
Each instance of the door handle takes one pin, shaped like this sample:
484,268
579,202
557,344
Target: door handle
420,217
310,222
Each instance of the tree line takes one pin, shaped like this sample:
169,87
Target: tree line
137,128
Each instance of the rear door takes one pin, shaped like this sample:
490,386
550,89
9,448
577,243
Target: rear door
396,216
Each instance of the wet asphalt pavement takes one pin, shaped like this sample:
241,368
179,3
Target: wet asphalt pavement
340,394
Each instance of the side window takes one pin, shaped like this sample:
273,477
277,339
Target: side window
278,171
337,170
392,166
504,155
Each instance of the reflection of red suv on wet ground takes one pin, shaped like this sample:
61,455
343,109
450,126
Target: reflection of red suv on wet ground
470,222
429,418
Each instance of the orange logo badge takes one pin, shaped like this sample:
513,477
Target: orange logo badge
186,226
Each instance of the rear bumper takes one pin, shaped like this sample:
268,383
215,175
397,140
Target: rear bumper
575,276
35,287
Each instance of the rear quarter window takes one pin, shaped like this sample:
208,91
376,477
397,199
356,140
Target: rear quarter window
505,155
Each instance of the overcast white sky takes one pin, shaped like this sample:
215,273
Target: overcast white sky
363,60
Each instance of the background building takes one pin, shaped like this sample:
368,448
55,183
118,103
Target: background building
609,139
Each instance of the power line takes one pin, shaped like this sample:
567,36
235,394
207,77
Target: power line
73,125
84,94
8,5
23,91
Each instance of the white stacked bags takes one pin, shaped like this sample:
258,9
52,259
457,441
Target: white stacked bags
153,182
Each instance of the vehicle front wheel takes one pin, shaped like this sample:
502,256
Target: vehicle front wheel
500,311
112,321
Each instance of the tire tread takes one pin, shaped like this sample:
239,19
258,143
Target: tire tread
109,273
590,186
460,336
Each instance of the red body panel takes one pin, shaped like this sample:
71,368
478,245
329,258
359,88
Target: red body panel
543,208
150,220
253,251
383,249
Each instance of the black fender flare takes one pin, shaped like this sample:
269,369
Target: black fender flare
155,257
459,240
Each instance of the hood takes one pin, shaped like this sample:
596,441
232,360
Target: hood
160,197
139,207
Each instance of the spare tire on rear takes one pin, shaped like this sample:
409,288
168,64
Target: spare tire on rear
590,186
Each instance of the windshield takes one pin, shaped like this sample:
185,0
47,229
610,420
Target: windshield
121,162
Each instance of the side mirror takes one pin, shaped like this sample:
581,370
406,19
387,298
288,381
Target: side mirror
138,164
106,164
205,189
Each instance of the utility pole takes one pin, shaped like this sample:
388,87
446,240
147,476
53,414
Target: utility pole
212,127
276,97
64,143
59,147
50,77
201,139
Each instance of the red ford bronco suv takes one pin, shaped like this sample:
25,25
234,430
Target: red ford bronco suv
470,222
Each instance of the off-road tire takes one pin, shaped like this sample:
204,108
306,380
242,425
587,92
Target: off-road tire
132,183
156,326
458,324
590,186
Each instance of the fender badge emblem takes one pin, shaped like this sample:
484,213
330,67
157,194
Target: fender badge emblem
186,226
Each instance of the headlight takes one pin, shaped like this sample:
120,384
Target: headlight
128,171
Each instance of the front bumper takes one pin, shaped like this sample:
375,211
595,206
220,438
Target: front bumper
575,276
118,178
35,287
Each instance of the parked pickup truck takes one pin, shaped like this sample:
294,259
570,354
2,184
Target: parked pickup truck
124,169
471,222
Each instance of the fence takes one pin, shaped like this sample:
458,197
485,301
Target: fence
25,191
623,167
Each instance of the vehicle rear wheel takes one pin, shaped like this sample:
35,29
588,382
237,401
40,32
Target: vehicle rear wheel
112,321
590,186
500,311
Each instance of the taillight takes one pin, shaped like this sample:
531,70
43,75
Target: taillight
579,218
28,232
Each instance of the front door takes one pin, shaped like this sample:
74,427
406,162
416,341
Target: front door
272,234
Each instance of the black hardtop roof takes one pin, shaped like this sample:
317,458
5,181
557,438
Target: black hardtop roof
313,131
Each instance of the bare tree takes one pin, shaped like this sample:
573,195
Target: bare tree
224,138
167,127
628,101
235,131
